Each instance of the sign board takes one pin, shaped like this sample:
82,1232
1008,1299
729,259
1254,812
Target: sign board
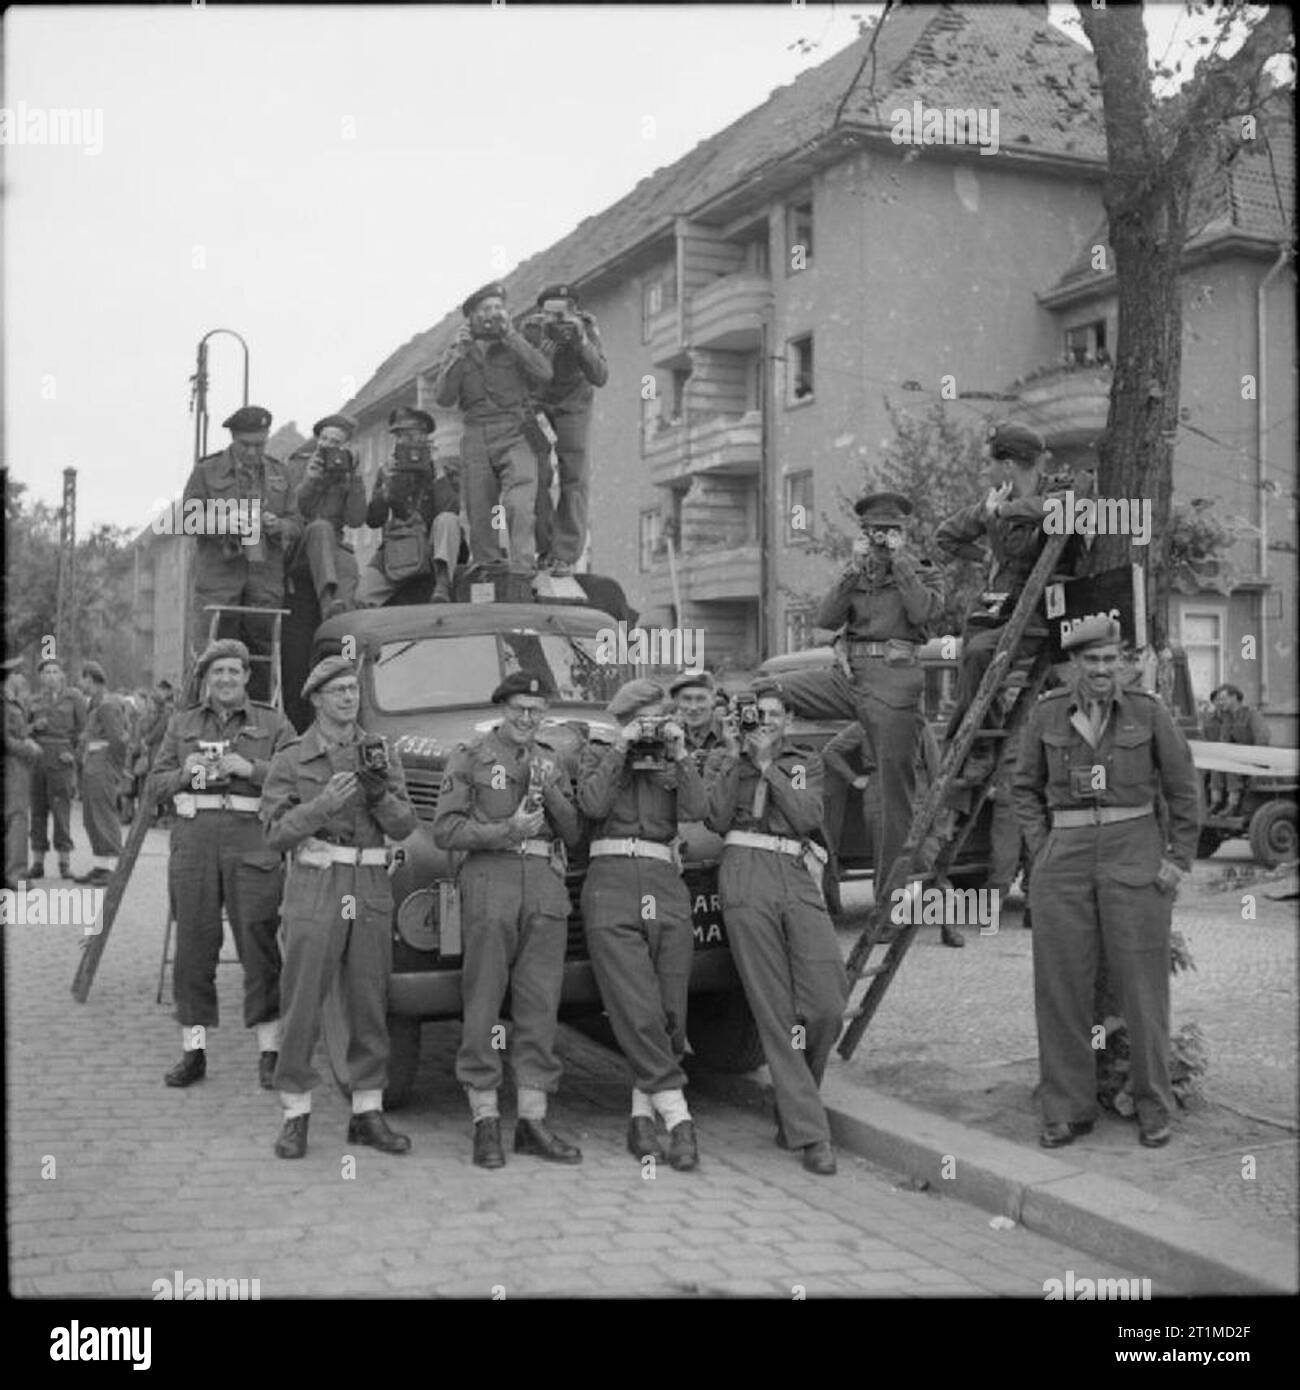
1118,593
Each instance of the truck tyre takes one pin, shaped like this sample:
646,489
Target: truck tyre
1273,834
723,1034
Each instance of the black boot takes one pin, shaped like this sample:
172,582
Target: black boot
487,1143
642,1141
192,1067
292,1142
371,1128
683,1150
533,1137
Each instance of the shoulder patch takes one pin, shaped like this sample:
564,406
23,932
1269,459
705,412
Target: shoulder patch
1053,694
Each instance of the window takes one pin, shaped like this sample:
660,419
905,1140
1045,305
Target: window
799,507
1202,633
648,537
757,255
1086,343
798,629
680,378
799,236
652,303
799,368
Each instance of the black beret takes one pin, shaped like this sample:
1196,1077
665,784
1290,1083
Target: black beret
95,671
687,679
342,422
883,508
521,683
407,417
223,646
557,292
1011,441
247,419
767,688
492,291
634,695
48,661
1092,632
325,671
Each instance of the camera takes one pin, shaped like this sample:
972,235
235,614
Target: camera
555,320
533,800
410,455
492,329
213,751
335,460
648,752
744,710
372,756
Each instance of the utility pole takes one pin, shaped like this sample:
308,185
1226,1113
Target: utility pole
66,588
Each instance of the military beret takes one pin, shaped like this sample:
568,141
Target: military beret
223,646
48,661
883,508
247,419
687,679
1011,441
492,291
1092,632
522,683
95,671
557,292
632,696
767,688
10,664
342,422
406,417
325,671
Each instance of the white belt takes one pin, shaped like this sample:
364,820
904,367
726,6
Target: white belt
632,849
541,848
189,804
316,854
96,744
777,843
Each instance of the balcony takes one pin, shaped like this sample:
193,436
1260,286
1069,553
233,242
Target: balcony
665,345
713,575
1067,405
727,315
707,444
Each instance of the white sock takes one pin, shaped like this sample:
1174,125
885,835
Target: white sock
193,1037
672,1106
295,1103
268,1036
642,1106
104,861
532,1103
482,1104
367,1100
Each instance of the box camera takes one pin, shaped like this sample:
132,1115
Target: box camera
373,754
411,455
744,710
649,750
335,460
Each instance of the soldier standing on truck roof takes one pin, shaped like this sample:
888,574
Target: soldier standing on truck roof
765,798
331,495
213,761
637,910
243,569
1095,760
885,597
490,372
103,764
330,798
513,811
58,721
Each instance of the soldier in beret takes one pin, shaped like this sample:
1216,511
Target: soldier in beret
1007,526
765,798
885,600
213,761
417,502
1097,756
21,754
243,567
102,751
637,910
490,373
512,812
58,722
569,337
330,804
331,495
694,695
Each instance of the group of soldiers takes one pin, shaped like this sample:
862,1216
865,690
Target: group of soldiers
248,795
525,396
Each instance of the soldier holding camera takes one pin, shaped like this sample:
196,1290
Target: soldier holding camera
886,597
243,567
490,373
331,495
637,910
568,335
213,760
330,798
765,798
1098,761
512,810
418,507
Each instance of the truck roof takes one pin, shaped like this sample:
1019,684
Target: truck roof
408,622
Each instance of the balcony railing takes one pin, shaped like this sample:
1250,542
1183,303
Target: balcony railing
727,315
706,444
665,345
718,574
1068,405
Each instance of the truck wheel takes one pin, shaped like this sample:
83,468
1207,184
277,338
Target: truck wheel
403,1059
722,1032
1273,833
1208,843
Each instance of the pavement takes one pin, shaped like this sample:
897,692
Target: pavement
116,1182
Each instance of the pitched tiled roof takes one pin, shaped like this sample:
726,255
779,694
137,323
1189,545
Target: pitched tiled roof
1252,194
1042,84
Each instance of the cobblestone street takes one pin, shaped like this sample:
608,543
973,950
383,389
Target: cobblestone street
116,1182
